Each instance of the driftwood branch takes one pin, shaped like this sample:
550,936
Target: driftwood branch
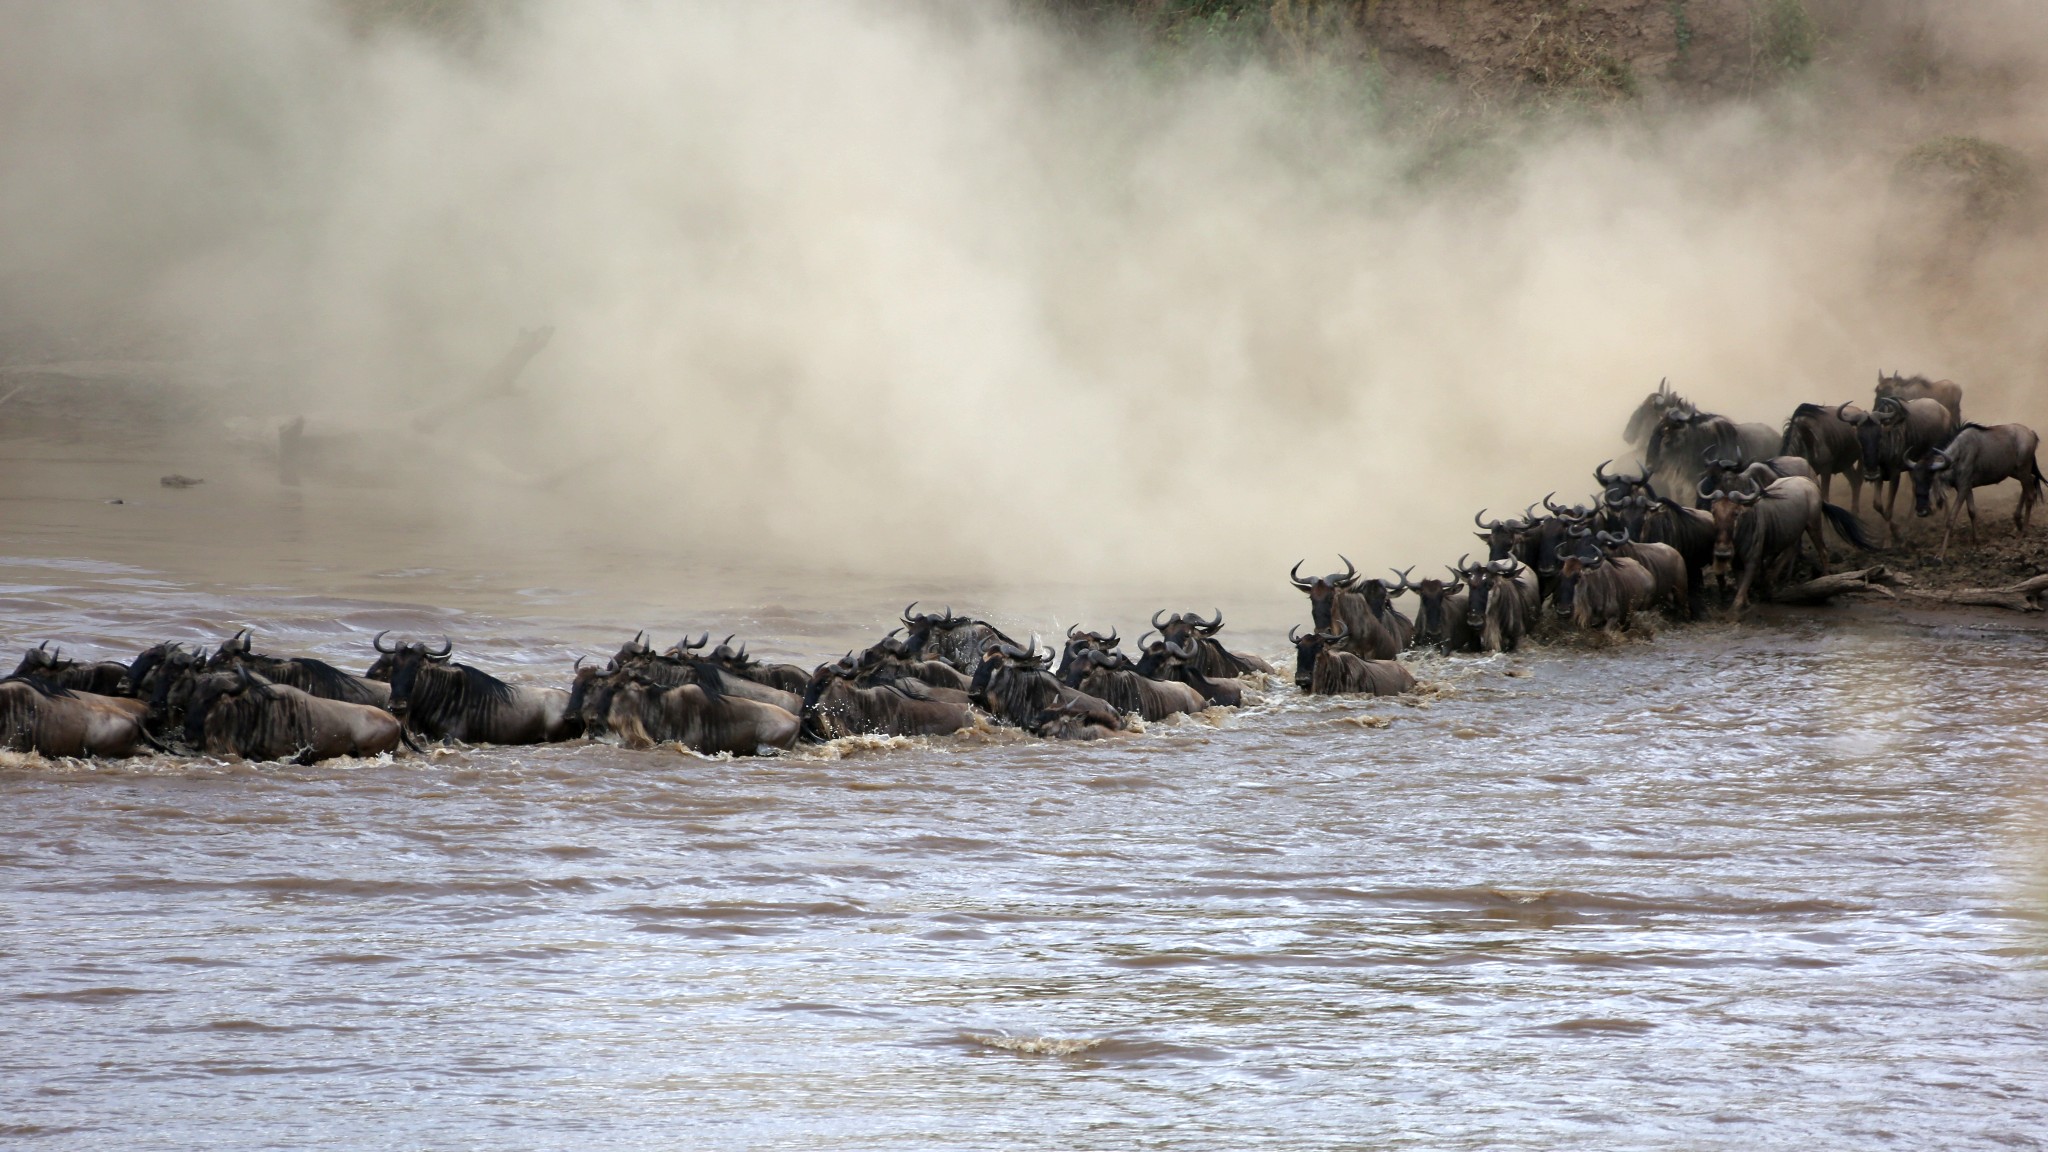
1822,589
2024,596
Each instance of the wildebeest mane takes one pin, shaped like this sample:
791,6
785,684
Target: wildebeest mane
444,691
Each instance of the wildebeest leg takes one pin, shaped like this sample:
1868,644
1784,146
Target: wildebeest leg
1970,502
1855,494
1817,530
1889,494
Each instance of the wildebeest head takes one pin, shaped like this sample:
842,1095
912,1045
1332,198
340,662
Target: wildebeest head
1186,628
1014,684
1308,648
1163,659
1927,471
1431,625
1870,429
1726,506
1643,421
1616,487
232,649
407,659
1669,434
1485,582
1074,662
1502,536
39,662
1322,591
1721,470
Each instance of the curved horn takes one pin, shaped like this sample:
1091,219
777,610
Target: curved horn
1350,570
1113,639
1071,629
1401,574
1600,475
1142,646
907,611
1294,575
1156,616
1479,519
1211,625
1553,509
377,642
1293,636
447,648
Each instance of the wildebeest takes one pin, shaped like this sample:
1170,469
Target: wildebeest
151,665
1014,686
681,665
36,716
1684,437
1619,486
1596,590
1500,596
889,663
1825,437
1323,668
1440,614
1079,643
1072,721
1334,599
1723,473
835,705
444,701
1890,433
698,716
1947,393
1979,457
1165,660
1109,676
1759,531
313,677
1662,520
1644,421
783,677
101,678
1189,630
250,717
1670,584
958,640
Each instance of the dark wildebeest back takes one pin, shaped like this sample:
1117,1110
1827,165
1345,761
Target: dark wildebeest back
257,720
101,678
444,701
1825,438
1440,615
1110,678
834,706
1947,393
699,717
313,677
49,720
1343,674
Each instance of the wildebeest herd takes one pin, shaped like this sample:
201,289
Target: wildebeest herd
1754,497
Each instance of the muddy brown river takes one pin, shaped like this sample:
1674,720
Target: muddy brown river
1772,885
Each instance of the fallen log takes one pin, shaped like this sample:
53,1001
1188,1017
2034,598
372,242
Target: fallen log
2024,596
1823,588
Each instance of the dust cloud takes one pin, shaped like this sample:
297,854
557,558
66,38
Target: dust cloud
940,289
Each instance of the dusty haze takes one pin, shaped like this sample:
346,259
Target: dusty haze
931,289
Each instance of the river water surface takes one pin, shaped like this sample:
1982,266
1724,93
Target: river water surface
1772,885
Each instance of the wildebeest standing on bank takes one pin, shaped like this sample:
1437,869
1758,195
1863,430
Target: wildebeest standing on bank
1684,437
1825,437
257,720
53,721
313,677
1759,531
1947,393
1667,569
1643,422
1323,668
1979,457
1890,434
444,701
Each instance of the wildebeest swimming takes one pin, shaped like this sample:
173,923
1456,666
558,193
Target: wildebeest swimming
1631,552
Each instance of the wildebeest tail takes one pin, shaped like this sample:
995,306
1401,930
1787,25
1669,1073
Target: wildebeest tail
1850,528
405,734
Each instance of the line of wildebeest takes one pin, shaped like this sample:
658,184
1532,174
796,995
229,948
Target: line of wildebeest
1757,494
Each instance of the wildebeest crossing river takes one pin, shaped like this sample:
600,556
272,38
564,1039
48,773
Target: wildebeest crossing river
1771,884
